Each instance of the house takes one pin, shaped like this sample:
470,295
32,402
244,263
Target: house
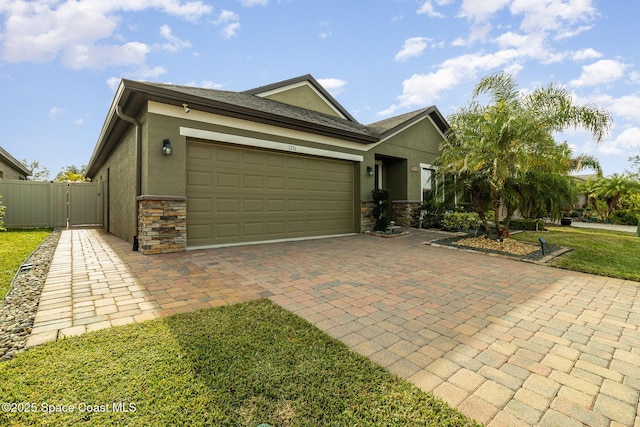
184,167
10,168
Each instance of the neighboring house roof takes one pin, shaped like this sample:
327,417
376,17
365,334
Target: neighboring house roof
249,105
585,177
12,161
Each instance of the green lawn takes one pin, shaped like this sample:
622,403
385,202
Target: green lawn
604,252
15,246
238,365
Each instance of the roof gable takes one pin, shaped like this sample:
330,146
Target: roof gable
396,124
14,163
304,92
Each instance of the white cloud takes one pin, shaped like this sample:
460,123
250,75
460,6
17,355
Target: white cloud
412,47
602,72
251,3
425,89
82,34
571,32
427,9
113,83
206,84
174,44
625,107
54,112
547,15
230,21
625,144
333,86
83,56
586,54
481,11
325,30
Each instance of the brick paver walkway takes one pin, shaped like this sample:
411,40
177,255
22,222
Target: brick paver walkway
506,342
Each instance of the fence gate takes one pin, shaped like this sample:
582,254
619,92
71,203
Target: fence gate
31,204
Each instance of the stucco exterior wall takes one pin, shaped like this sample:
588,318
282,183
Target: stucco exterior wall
8,172
304,97
166,175
417,144
117,178
161,174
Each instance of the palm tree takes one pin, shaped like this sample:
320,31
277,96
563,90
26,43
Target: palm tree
611,189
507,140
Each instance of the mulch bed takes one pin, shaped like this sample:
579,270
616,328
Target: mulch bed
509,248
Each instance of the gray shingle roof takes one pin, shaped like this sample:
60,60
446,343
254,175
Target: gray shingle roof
264,105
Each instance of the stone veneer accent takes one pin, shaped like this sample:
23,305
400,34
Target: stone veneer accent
405,213
162,224
367,221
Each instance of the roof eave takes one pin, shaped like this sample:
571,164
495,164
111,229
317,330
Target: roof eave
154,93
19,166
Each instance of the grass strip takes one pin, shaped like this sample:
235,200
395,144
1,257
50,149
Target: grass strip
15,246
604,252
238,365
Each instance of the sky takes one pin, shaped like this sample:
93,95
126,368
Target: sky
61,60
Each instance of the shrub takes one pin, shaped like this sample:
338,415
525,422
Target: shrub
624,217
576,213
458,221
526,224
380,209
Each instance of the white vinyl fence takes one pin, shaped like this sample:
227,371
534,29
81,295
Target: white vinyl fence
32,204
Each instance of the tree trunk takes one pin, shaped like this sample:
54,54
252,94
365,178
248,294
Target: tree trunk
495,197
476,202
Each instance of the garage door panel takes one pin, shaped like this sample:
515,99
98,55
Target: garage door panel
276,206
275,160
199,205
225,230
199,153
295,184
227,205
252,206
314,184
276,183
226,155
255,182
238,194
295,206
253,229
202,179
253,157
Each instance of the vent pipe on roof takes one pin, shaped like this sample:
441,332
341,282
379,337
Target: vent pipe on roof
136,123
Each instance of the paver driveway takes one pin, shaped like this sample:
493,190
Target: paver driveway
506,342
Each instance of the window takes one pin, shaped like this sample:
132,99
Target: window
427,180
378,174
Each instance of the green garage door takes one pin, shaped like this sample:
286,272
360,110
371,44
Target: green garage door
237,194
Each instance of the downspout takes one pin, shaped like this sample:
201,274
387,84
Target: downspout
136,123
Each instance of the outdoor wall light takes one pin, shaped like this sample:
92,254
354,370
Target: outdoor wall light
166,147
370,170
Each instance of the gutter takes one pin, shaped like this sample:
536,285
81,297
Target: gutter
136,123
